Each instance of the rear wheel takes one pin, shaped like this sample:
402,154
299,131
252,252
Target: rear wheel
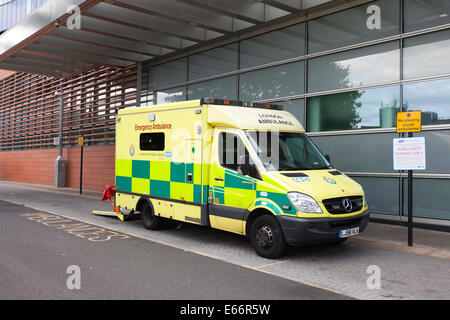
149,219
267,237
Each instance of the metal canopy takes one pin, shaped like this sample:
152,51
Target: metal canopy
121,33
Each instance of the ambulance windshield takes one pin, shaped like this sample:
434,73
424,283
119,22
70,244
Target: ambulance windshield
287,151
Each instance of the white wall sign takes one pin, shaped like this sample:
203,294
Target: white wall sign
409,153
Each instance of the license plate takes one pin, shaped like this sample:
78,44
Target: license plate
348,232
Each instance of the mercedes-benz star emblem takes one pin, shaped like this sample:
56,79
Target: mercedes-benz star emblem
347,204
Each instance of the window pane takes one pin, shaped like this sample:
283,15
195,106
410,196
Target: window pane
147,98
427,55
432,97
359,152
381,193
213,62
354,25
363,109
312,3
354,68
280,81
223,88
171,95
430,198
296,107
231,151
286,151
167,74
152,141
420,14
437,150
273,46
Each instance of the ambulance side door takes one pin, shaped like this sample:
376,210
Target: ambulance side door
232,192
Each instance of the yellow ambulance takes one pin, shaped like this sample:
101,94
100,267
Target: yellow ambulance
247,168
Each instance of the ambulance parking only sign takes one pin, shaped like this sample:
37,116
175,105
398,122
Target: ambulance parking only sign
409,153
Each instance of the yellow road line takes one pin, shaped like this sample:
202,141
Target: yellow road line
253,268
271,264
320,287
22,213
206,255
143,238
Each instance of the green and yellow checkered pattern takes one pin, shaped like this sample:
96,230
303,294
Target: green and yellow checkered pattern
168,180
161,179
248,192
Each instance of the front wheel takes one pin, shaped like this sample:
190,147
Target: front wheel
267,237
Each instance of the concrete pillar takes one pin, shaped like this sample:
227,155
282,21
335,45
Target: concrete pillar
60,163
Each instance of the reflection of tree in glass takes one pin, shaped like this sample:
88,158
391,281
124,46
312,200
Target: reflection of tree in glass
215,89
335,111
174,97
280,81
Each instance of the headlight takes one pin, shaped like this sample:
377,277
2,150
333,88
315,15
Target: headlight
304,203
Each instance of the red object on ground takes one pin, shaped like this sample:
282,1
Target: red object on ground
109,192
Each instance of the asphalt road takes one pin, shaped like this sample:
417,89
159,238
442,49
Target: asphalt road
37,248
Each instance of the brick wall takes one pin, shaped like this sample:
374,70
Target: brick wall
38,166
5,73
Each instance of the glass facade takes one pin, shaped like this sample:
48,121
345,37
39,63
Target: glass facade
273,46
223,88
427,55
344,75
12,11
355,68
353,26
382,194
361,109
358,152
430,198
432,97
274,82
421,14
213,62
171,95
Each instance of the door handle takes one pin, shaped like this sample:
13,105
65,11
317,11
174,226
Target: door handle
218,179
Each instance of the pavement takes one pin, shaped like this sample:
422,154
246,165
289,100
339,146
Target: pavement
420,272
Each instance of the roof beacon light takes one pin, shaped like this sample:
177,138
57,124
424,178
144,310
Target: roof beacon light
219,102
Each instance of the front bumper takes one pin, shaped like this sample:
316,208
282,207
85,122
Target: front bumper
299,231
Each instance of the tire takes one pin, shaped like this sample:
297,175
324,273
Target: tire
267,238
149,219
